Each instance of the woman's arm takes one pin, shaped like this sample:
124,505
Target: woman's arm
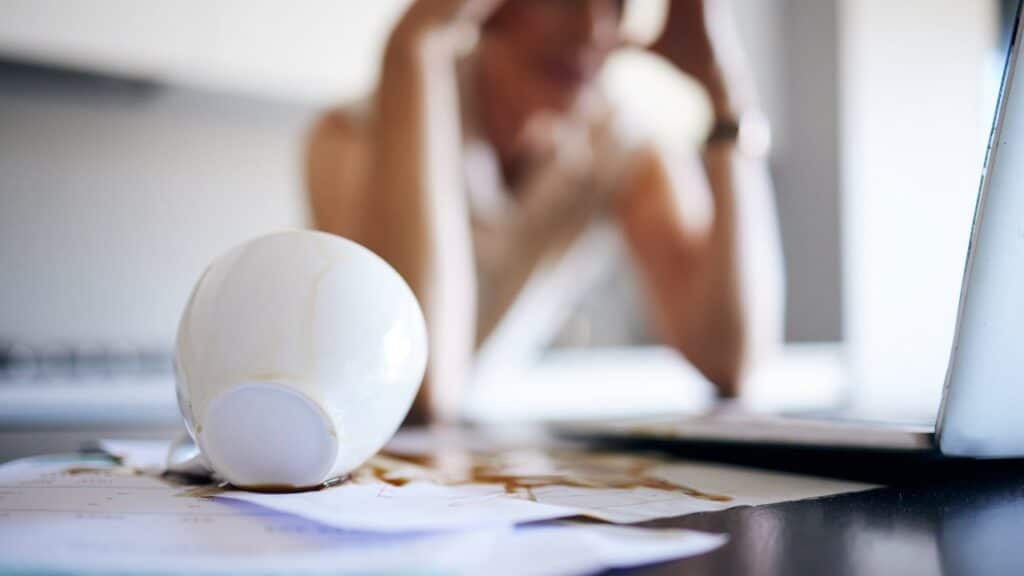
715,289
412,210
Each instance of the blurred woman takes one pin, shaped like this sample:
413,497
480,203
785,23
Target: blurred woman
480,168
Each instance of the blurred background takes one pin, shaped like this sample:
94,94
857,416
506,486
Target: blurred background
140,140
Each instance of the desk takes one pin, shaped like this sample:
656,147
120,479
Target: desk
964,526
953,526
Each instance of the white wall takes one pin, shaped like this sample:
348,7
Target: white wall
806,166
917,101
103,165
793,49
316,50
113,198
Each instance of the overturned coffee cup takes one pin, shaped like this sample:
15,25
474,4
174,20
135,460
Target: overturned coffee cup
298,356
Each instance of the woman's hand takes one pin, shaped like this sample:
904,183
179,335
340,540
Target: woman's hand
716,290
413,219
700,39
425,15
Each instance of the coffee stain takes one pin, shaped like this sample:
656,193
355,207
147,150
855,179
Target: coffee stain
424,460
518,472
104,470
544,469
514,484
382,473
287,488
211,490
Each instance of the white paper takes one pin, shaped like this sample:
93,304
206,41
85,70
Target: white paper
588,548
441,495
375,506
744,487
614,487
423,507
115,521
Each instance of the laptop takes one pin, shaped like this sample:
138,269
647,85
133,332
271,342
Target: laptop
982,409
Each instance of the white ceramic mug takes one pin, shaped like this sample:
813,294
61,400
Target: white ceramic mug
298,356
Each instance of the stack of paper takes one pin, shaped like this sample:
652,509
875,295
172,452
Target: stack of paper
78,515
462,486
424,505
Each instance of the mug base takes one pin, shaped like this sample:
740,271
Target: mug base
262,435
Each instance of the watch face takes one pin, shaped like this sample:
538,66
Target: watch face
724,131
751,133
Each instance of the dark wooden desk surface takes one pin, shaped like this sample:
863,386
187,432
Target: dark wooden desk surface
970,523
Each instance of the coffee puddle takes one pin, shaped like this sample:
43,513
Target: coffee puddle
108,471
522,472
287,488
518,472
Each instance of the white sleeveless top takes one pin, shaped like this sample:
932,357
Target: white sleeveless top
541,253
540,250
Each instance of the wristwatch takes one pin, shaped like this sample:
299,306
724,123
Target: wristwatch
750,133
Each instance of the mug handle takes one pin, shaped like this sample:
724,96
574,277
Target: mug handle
184,457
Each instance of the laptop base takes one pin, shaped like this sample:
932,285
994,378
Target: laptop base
872,465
